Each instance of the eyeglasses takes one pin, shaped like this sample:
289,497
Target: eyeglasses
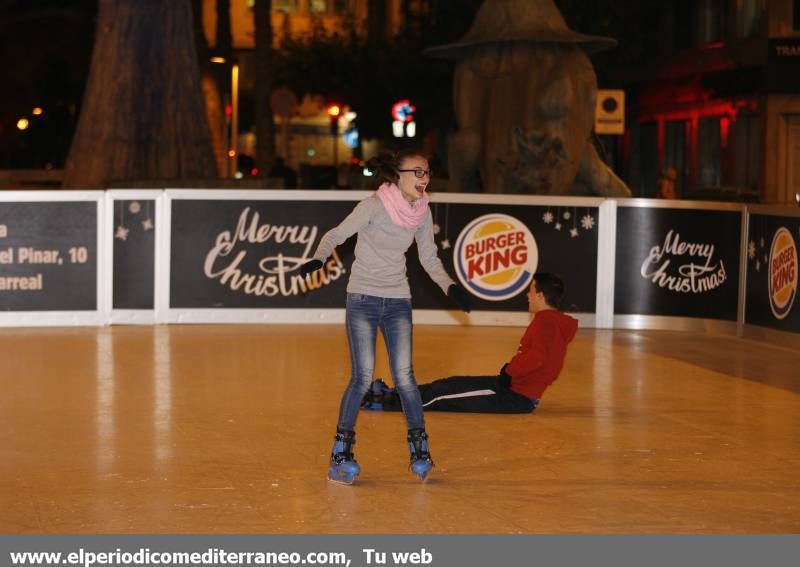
418,172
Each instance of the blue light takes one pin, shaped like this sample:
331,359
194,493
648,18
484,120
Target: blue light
351,137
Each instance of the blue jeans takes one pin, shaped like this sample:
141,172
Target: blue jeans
365,315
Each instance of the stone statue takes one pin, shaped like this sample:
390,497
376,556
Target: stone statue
525,95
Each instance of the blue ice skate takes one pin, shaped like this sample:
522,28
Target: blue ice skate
343,466
421,462
378,390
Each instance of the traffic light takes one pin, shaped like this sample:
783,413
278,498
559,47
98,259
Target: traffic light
334,111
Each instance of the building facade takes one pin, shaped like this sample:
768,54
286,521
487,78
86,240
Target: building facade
298,17
719,103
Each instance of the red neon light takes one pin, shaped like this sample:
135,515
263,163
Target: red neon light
724,125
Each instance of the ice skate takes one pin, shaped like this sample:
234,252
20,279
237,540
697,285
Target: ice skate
421,462
343,466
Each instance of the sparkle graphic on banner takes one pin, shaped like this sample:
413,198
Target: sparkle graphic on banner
445,244
122,231
573,233
757,254
560,219
147,223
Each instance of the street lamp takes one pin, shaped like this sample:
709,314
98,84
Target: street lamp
334,111
231,112
234,142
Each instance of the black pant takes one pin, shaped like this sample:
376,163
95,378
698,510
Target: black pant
473,394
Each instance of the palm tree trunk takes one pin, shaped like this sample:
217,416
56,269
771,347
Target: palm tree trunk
142,115
212,95
265,125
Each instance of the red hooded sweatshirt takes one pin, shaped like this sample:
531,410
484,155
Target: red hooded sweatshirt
541,353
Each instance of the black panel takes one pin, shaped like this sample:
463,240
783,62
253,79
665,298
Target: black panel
134,253
677,262
48,256
772,263
249,275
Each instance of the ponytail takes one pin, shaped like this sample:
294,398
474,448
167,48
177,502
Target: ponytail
384,166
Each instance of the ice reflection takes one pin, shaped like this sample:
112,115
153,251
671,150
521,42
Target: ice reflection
162,373
602,384
104,406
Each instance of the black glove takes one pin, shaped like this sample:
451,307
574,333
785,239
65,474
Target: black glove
310,266
460,296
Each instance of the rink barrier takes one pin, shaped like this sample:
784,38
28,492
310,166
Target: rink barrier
161,256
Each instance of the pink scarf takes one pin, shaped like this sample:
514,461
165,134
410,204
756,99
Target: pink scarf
403,213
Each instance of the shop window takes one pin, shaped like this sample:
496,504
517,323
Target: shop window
675,150
749,14
746,148
709,152
710,21
643,163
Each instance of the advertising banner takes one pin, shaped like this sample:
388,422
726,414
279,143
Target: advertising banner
48,256
246,254
772,262
134,231
494,250
677,262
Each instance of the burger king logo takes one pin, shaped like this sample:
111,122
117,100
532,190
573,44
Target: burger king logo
782,273
495,257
